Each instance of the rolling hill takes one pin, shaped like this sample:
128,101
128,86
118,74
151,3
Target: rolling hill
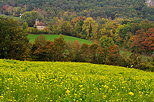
24,81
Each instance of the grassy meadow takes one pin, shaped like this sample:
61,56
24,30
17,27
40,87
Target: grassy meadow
32,38
23,81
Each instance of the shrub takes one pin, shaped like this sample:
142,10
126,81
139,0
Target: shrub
146,66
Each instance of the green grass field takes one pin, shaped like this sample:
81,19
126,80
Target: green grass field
32,38
23,81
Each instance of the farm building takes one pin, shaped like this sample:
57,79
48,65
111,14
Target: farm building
40,25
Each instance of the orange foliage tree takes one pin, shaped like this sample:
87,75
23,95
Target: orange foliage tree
143,42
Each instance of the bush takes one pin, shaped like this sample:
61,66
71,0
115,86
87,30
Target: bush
33,30
149,66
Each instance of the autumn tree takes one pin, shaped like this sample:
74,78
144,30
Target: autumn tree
100,55
143,42
38,51
49,50
107,51
73,50
92,52
84,53
104,32
108,27
87,53
59,49
77,23
90,27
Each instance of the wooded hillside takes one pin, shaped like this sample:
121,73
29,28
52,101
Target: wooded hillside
93,8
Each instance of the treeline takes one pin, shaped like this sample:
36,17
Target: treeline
93,8
133,34
15,45
104,51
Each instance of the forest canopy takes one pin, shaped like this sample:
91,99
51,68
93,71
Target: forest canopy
93,8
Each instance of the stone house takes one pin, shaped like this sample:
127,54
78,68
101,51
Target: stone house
40,25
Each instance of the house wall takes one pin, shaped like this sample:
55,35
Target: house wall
40,27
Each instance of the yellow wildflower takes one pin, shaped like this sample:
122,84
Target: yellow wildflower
67,91
105,86
104,96
80,85
10,79
1,97
131,93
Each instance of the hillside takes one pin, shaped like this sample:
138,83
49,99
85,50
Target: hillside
93,8
68,81
32,38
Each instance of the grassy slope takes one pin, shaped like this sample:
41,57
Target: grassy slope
67,81
52,37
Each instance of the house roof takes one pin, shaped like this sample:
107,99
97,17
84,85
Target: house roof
39,23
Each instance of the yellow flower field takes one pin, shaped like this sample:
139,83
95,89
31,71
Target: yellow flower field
23,81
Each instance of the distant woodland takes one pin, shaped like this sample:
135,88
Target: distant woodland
93,8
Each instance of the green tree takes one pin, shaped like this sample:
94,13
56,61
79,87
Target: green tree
56,25
107,50
30,17
67,28
124,32
25,25
13,41
106,42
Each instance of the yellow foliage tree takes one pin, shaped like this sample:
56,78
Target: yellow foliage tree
90,27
